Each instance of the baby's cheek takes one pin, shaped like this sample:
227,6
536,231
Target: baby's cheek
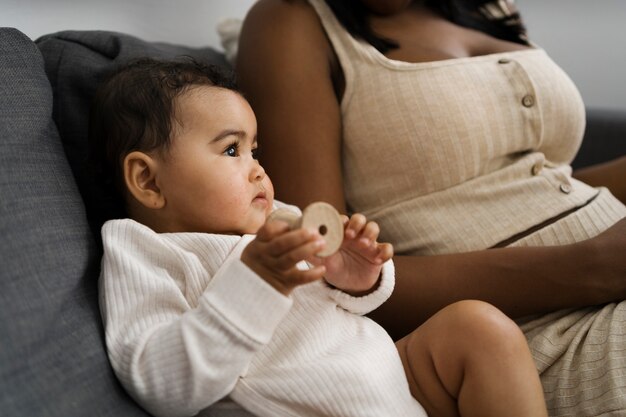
269,191
268,186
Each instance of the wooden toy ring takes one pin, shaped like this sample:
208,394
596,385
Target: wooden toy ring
320,216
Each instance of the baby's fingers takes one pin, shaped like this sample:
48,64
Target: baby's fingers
385,252
271,229
304,276
291,240
370,232
295,254
367,238
355,225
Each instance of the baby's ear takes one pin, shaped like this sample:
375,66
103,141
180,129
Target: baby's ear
140,171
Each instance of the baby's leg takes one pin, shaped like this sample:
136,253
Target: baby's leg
469,359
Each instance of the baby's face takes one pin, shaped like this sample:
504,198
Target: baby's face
210,177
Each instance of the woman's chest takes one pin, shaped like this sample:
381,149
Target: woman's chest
449,122
424,36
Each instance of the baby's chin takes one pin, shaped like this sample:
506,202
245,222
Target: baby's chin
253,228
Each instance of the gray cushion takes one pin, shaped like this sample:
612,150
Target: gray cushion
76,61
52,359
605,137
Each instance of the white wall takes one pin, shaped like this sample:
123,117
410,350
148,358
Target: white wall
189,22
587,38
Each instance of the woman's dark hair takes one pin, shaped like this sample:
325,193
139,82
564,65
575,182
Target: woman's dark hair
498,18
134,109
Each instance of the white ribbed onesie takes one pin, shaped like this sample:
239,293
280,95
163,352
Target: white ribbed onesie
187,323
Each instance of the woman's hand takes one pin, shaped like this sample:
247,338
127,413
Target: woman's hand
355,267
276,250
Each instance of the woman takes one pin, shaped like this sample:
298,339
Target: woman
440,121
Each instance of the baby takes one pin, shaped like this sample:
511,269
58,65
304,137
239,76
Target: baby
202,297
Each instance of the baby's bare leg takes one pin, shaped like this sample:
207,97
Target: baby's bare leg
469,359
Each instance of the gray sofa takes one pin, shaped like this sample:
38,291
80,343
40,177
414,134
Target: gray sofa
52,353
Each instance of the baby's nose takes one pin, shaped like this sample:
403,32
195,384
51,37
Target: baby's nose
257,173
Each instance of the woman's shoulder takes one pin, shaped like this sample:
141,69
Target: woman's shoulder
282,26
281,12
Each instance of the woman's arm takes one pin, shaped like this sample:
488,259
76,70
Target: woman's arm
283,70
610,174
519,281
284,67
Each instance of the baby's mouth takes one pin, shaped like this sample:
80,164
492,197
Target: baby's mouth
261,197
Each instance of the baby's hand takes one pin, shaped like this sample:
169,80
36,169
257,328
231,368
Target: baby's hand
276,250
356,267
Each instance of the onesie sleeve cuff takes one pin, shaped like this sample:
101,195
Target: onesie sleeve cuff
245,300
369,302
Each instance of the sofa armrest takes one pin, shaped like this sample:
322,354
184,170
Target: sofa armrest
605,137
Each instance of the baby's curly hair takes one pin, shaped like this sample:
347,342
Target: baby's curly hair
134,109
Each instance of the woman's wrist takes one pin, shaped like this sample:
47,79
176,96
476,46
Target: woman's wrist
602,267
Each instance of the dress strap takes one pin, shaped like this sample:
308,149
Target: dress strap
350,52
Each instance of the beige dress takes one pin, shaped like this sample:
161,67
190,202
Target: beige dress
464,154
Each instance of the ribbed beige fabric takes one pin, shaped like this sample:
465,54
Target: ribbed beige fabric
581,354
187,323
462,154
441,154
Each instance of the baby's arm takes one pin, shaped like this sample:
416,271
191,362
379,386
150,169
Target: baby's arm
364,304
176,360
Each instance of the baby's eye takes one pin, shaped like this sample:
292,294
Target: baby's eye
232,150
255,153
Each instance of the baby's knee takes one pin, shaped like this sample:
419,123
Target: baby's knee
483,323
